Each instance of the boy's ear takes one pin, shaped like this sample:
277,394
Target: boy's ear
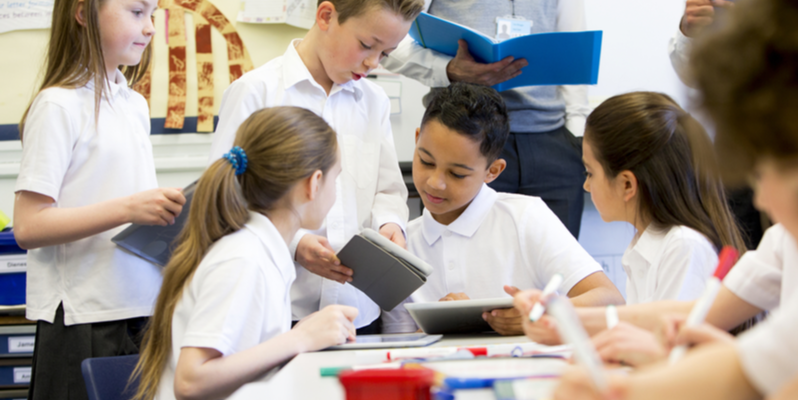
79,13
494,170
326,13
629,185
416,136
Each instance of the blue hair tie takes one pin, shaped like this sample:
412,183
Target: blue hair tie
238,159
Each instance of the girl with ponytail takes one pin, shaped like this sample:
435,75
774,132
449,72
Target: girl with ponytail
223,316
649,163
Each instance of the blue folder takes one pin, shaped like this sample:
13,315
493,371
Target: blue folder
556,58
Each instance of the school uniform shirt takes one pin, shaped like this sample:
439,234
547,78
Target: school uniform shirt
370,191
768,352
766,277
76,161
499,239
237,298
668,264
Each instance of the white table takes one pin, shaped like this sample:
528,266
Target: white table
300,379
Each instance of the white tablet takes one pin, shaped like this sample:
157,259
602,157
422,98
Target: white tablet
458,316
388,340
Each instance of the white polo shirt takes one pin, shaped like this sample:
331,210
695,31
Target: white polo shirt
499,239
768,352
77,162
668,264
766,277
370,191
237,298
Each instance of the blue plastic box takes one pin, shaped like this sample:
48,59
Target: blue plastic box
12,285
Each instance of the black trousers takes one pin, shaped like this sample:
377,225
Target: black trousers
59,351
547,165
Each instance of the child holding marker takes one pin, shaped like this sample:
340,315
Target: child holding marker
755,109
324,72
223,316
86,170
482,242
645,165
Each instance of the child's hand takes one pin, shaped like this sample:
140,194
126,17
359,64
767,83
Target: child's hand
316,255
155,207
629,345
545,330
505,321
575,384
700,14
328,327
676,333
394,233
455,296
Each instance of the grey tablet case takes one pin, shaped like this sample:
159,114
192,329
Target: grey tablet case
384,271
458,316
152,242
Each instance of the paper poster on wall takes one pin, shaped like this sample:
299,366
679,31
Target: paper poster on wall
299,13
25,14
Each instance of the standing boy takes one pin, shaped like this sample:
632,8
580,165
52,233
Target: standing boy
324,72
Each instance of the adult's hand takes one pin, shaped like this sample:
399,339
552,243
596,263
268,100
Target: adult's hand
464,68
700,14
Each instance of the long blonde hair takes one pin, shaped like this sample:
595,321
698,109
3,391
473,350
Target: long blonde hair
75,56
283,145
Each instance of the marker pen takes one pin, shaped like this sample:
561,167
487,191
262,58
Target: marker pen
538,309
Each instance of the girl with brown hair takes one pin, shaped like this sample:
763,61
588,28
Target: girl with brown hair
647,163
86,170
223,316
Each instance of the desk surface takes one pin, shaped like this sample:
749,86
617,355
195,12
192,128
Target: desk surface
299,379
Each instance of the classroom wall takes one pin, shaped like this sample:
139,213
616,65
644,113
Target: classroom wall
634,57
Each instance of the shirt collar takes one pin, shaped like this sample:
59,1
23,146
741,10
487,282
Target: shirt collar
467,223
117,85
295,71
268,234
650,243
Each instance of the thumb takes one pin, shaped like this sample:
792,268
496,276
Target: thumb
349,312
463,50
511,290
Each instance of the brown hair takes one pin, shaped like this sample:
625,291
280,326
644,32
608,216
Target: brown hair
671,156
408,9
283,145
75,56
746,73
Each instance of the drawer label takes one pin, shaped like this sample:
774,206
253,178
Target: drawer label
21,344
22,375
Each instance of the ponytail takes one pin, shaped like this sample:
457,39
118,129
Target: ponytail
282,145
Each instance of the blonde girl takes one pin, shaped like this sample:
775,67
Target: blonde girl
86,170
224,314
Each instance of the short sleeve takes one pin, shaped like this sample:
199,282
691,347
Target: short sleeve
229,309
756,278
550,249
768,352
47,142
683,270
241,99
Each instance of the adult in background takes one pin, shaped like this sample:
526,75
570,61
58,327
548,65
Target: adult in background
543,151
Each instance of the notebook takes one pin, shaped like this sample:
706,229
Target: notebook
155,243
554,58
384,271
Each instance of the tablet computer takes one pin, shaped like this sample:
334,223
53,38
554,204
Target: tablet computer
458,316
155,243
388,340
